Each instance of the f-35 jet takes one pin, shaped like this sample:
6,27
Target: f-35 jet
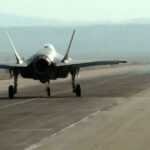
47,64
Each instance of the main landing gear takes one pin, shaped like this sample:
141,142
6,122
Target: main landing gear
13,89
11,92
76,88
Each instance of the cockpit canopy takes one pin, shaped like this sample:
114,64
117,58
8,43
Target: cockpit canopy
49,46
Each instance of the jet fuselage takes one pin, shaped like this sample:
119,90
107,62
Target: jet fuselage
42,65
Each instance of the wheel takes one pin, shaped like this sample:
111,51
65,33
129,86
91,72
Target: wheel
11,92
78,90
48,91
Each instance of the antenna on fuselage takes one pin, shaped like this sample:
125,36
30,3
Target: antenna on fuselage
67,53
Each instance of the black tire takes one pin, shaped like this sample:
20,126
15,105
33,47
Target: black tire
78,90
48,92
11,92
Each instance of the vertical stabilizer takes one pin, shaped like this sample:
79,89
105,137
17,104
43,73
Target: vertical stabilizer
18,58
67,53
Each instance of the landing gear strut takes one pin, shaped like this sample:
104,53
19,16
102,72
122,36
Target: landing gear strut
76,88
13,89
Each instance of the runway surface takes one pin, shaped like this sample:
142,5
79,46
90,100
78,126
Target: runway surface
113,112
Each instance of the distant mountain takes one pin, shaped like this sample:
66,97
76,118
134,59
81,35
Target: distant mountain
11,20
138,21
142,21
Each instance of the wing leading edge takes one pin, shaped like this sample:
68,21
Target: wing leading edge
12,65
89,63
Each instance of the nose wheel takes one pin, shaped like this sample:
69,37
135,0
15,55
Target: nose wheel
48,91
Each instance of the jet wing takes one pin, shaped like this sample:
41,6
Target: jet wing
12,65
89,63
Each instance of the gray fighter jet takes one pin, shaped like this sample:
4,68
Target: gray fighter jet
47,64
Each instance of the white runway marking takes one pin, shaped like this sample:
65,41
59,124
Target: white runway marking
34,146
30,130
65,91
17,103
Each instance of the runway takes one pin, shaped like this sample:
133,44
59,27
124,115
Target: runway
113,100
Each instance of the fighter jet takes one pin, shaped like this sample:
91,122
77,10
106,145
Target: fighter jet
47,64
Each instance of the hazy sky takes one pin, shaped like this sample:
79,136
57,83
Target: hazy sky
90,10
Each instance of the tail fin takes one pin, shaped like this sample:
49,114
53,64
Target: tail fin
67,53
18,58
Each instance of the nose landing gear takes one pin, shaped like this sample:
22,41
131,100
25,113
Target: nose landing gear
48,90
